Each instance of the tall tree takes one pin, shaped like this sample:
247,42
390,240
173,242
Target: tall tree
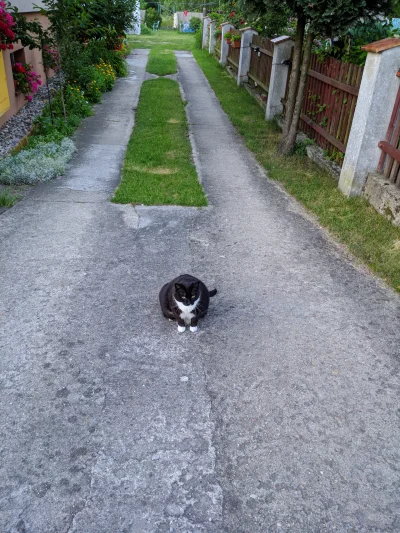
325,18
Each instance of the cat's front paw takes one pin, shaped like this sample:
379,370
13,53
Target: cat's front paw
182,329
194,329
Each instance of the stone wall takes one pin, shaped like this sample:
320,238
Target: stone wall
384,197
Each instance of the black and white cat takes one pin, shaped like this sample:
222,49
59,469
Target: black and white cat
185,299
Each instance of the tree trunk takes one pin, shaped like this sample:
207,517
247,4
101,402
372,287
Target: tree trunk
59,64
289,141
46,73
294,76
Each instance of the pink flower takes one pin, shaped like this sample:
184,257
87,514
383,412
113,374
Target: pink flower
29,98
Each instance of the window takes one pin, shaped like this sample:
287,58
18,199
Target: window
18,57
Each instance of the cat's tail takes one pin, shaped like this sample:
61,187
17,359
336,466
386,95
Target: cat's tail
212,293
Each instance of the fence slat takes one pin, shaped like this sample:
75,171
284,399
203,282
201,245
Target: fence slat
334,82
324,133
389,162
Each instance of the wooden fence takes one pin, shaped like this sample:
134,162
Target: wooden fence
234,54
330,99
261,63
389,162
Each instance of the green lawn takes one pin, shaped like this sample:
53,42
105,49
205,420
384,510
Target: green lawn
158,167
368,235
163,39
161,62
7,198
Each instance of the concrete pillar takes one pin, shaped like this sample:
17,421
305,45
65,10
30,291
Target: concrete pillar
379,86
206,22
176,21
245,54
211,39
135,27
226,26
279,75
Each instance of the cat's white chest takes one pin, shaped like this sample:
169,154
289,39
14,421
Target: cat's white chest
187,310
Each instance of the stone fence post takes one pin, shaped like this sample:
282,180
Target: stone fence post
245,54
279,75
206,22
211,39
376,97
226,26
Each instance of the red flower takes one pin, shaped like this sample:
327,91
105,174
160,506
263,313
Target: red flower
7,36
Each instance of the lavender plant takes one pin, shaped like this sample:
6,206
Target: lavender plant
41,163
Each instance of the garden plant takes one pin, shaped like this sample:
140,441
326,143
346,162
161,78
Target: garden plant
86,44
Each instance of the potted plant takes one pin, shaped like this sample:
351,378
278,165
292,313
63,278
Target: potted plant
236,40
26,81
218,34
228,37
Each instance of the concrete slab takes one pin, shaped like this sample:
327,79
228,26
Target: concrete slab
300,346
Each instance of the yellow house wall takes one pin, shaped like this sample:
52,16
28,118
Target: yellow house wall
34,57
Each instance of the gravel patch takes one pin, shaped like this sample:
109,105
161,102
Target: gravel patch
20,124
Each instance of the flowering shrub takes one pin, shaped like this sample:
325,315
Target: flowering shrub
123,51
76,102
27,80
118,43
55,128
107,74
7,36
95,87
42,163
50,58
96,79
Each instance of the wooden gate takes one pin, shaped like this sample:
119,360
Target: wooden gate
389,162
329,103
261,63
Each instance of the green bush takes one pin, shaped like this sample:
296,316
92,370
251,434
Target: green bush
81,65
76,106
198,39
97,50
152,16
195,24
46,127
167,21
144,30
347,48
54,136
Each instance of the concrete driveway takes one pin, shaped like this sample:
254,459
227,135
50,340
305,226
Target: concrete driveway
281,414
